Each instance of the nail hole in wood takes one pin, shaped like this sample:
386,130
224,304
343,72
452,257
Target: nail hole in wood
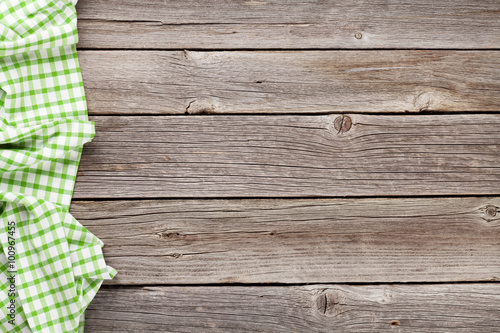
395,323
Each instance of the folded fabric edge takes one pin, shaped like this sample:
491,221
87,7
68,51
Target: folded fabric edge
47,141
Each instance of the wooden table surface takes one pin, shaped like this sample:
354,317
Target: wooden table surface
293,165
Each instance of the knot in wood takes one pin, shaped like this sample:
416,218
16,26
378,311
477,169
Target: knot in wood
342,124
168,234
422,101
358,35
328,303
490,211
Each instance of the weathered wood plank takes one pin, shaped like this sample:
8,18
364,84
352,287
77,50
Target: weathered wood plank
315,308
215,24
290,156
132,82
297,241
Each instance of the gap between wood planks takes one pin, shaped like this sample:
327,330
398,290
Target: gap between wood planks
442,196
326,113
277,284
275,50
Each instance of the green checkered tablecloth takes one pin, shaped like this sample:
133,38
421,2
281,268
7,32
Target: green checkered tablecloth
51,267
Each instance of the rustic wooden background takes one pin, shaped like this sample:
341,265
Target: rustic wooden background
293,165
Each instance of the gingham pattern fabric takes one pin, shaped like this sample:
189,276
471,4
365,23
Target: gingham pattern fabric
59,265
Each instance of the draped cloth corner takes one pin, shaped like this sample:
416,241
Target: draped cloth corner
59,265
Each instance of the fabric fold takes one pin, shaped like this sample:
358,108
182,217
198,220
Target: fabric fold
32,25
27,147
60,264
51,267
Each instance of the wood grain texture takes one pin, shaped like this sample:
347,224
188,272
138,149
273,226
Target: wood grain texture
151,82
297,241
290,156
278,238
298,24
315,308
